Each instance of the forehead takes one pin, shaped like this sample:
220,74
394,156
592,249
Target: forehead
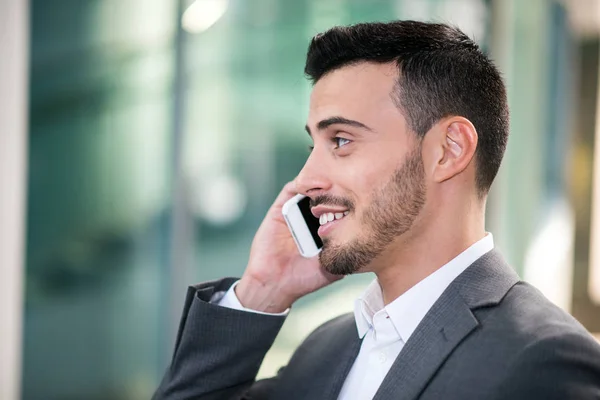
361,92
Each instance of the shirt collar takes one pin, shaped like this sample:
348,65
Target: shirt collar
408,310
366,306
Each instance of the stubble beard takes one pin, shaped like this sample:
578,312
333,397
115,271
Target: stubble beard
391,214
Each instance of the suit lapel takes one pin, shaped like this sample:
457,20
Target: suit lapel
346,351
318,369
446,325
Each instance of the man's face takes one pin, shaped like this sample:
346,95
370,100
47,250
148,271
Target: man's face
365,169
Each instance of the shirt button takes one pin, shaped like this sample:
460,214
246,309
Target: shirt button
382,357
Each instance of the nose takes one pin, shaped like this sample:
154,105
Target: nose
313,178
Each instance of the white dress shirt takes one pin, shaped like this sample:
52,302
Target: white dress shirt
385,329
230,300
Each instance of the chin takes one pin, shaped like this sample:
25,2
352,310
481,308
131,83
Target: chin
347,258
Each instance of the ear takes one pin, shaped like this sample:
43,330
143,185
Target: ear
455,143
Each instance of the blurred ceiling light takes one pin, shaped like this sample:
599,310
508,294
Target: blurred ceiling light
202,14
219,198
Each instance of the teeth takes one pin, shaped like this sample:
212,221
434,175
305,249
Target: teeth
328,217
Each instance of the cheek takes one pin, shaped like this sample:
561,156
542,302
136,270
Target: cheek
366,179
353,184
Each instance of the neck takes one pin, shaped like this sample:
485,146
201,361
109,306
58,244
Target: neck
434,240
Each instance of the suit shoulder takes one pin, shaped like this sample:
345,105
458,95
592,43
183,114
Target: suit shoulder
335,325
542,351
330,337
559,364
529,314
329,333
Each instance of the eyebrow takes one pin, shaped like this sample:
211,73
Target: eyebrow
326,123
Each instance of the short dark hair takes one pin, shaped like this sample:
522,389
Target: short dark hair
442,72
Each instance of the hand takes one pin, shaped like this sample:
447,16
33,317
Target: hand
277,275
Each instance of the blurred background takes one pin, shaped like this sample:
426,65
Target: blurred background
142,141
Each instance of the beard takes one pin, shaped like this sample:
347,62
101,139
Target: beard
391,213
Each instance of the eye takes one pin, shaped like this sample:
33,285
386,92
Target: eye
341,142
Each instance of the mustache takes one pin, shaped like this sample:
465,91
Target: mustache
330,200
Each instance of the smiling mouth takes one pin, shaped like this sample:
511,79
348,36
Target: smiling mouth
328,217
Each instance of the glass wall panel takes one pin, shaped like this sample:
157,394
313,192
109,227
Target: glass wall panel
99,165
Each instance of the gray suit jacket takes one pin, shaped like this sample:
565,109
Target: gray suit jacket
489,336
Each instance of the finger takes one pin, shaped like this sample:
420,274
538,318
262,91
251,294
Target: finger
288,191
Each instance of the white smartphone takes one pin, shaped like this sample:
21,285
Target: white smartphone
303,225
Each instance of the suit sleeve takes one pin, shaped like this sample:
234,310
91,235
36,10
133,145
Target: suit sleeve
557,368
218,350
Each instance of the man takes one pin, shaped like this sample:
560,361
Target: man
409,122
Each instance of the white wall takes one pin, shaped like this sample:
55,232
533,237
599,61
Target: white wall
14,44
